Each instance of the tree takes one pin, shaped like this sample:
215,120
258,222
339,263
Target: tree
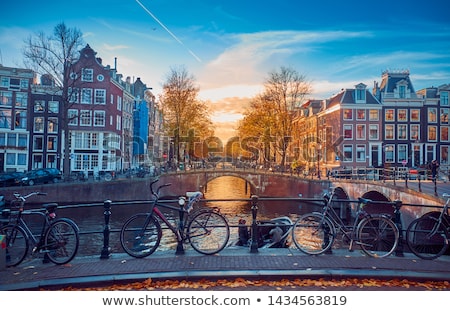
53,56
271,113
186,117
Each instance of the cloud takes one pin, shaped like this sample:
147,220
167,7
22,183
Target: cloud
108,47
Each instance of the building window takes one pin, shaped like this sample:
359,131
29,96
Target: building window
21,159
360,153
74,95
402,115
432,115
444,154
402,153
432,133
348,114
52,125
86,96
389,131
38,161
99,118
444,98
21,100
38,125
348,131
373,132
23,140
361,131
402,132
100,97
53,106
6,98
348,153
415,115
10,158
389,115
20,120
402,91
374,115
119,103
360,114
444,133
85,118
389,153
52,143
73,116
11,140
38,143
87,75
444,116
414,131
39,106
360,95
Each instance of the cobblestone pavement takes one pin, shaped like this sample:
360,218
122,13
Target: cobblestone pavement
232,262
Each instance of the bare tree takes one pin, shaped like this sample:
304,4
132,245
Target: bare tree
54,56
271,113
186,117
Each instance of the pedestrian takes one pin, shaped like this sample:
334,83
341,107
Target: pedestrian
434,165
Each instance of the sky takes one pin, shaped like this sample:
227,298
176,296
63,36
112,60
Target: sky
231,46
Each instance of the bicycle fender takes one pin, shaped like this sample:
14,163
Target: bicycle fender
71,222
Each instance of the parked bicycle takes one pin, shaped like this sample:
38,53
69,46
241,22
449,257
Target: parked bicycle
428,236
58,238
207,230
314,233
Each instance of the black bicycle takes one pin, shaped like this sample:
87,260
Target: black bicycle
58,238
428,236
207,230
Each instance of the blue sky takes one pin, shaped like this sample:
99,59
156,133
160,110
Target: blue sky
230,46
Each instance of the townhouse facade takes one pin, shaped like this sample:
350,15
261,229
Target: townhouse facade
391,126
100,119
15,89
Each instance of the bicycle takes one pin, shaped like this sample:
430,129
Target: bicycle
58,238
314,233
207,230
428,236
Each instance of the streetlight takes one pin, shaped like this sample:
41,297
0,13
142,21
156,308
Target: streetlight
319,147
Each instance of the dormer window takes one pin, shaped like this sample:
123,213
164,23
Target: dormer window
360,93
401,90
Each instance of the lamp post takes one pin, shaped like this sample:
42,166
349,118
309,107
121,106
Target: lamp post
319,147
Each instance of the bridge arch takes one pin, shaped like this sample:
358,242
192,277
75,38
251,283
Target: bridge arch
252,187
378,208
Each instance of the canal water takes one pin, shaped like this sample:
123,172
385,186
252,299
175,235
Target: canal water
91,219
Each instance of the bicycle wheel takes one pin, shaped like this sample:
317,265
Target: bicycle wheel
140,235
378,236
208,232
61,241
17,244
313,234
427,238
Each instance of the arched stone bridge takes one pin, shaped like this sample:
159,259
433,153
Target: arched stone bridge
264,184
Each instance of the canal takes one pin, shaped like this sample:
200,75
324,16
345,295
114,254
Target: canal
90,219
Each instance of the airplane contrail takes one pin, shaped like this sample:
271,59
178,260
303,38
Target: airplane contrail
167,29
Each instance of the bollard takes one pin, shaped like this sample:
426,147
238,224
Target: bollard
180,248
398,223
254,244
106,251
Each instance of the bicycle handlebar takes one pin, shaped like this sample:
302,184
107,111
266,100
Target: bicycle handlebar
23,198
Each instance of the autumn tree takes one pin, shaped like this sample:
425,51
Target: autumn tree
271,113
186,118
53,55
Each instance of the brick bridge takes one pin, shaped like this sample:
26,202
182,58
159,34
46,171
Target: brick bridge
264,184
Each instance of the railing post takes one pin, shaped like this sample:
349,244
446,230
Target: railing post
398,223
435,185
254,244
106,251
419,176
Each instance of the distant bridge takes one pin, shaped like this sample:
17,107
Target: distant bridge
262,183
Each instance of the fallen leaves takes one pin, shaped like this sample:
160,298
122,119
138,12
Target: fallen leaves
242,283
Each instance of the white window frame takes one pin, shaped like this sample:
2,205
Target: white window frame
100,96
87,74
